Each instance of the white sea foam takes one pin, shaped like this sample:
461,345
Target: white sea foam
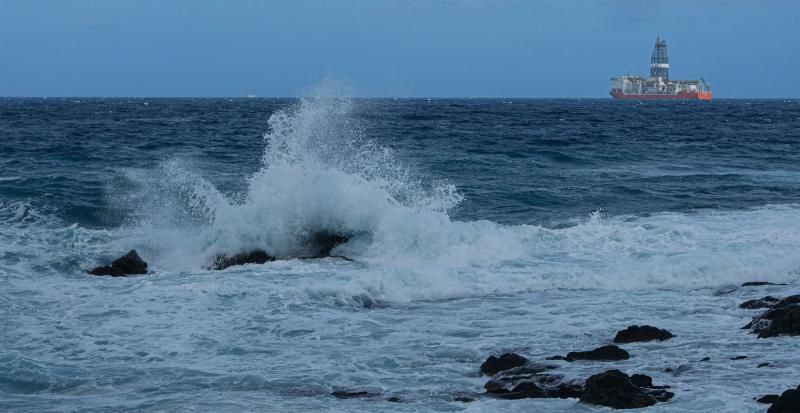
321,173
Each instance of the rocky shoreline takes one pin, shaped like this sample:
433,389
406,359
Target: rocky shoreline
513,376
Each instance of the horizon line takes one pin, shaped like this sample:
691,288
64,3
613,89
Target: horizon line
355,97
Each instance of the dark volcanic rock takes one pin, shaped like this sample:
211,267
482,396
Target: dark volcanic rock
788,402
256,256
765,302
509,386
321,243
127,264
782,319
525,390
605,353
614,388
768,399
758,283
641,333
342,394
494,365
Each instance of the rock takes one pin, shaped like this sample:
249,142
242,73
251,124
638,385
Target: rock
782,319
342,394
494,365
525,390
615,389
768,399
739,358
320,244
463,399
127,264
677,371
605,353
764,365
531,386
644,333
257,256
706,359
758,283
642,380
788,402
765,302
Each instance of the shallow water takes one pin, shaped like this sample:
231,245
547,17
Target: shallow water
479,227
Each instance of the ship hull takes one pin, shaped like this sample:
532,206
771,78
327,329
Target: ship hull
678,96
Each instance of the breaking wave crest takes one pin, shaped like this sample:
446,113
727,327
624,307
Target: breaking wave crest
321,173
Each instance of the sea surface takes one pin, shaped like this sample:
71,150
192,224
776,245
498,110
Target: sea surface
479,226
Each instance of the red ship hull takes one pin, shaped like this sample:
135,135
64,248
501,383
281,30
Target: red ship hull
680,95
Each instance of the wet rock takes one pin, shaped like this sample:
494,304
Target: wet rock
782,319
130,263
636,333
605,353
615,389
764,365
494,365
320,244
677,371
739,358
257,256
464,399
525,390
532,386
758,283
343,394
787,402
706,359
765,302
768,399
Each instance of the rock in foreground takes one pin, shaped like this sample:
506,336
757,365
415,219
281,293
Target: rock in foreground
616,389
128,264
788,402
494,365
636,333
764,302
605,353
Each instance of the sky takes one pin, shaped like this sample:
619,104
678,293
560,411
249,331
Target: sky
411,48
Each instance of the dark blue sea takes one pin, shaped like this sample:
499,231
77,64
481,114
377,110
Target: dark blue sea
477,227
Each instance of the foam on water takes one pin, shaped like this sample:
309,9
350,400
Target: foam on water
321,173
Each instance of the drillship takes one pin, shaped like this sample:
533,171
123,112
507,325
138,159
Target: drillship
658,85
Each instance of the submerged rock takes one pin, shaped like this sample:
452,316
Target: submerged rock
764,302
616,389
130,263
257,256
494,365
768,398
636,333
787,402
531,386
605,353
343,394
758,283
782,319
320,244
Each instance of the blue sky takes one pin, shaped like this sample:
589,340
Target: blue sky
469,48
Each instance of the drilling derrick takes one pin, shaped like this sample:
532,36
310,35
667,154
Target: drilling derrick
658,85
659,61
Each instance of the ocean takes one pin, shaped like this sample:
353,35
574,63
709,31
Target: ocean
476,227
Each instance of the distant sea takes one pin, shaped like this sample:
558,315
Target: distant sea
478,227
